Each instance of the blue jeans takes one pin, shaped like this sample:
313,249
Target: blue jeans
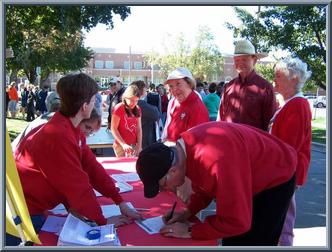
37,222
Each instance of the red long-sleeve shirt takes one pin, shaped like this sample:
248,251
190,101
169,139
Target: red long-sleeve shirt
56,166
292,124
231,163
250,102
184,115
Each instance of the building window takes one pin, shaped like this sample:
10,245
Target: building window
109,64
137,65
99,64
126,65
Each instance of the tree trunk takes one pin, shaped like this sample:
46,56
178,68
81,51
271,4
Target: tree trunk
13,76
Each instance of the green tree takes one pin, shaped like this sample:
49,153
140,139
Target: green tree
300,30
52,37
266,70
204,59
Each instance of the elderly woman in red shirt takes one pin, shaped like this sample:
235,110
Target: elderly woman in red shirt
292,124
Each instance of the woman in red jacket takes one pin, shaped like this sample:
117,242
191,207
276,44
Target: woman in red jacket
292,124
56,166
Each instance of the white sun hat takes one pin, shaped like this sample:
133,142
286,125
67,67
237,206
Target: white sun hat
245,47
180,73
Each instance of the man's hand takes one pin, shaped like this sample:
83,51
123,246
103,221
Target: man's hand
178,230
129,212
177,216
119,220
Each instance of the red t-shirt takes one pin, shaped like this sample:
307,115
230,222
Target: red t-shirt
292,124
231,163
189,113
127,124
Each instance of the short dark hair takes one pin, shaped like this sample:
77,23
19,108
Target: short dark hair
212,87
74,90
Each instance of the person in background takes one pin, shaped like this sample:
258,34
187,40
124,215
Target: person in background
31,108
249,98
126,124
164,102
185,111
13,99
98,103
150,115
220,88
56,166
248,172
42,94
7,99
212,101
200,89
116,98
292,124
24,99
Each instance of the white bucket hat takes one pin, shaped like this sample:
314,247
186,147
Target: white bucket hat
245,47
180,73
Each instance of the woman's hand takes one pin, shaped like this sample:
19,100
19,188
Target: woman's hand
119,220
178,230
177,217
129,212
128,149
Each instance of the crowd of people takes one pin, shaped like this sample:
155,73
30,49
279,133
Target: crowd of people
229,143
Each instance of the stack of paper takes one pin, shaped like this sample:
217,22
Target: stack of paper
74,233
126,177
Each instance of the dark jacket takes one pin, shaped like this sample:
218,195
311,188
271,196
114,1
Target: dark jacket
150,115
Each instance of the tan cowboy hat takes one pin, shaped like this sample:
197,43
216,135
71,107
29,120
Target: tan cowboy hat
245,47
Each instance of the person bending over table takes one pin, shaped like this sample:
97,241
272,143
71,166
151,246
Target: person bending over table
56,166
249,173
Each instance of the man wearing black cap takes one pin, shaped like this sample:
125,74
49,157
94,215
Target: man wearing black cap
248,172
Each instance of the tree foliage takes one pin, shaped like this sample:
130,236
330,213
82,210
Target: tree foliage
300,30
51,36
203,59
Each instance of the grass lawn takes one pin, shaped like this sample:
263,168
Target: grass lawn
319,130
15,127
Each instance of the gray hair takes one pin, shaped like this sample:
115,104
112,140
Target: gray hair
294,67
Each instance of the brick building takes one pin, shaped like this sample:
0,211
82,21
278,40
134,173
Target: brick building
106,64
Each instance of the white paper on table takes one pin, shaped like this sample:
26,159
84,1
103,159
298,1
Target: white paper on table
59,209
151,225
74,232
53,224
127,177
123,186
113,210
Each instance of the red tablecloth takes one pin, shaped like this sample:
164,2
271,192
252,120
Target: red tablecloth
132,234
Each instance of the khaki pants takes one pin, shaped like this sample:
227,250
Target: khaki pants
119,151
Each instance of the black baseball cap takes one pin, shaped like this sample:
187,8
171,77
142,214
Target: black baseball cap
152,164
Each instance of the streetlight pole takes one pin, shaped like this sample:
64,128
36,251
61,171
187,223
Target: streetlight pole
129,64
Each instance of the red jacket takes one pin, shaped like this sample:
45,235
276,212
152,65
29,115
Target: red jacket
56,166
231,163
191,112
292,124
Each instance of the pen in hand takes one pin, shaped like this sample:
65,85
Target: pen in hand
172,212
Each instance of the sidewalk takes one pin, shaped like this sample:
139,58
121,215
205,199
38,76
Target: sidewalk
308,237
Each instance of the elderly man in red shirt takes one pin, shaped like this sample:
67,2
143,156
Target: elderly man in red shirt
248,98
249,173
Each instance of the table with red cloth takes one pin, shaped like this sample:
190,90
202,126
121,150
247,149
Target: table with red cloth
132,234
